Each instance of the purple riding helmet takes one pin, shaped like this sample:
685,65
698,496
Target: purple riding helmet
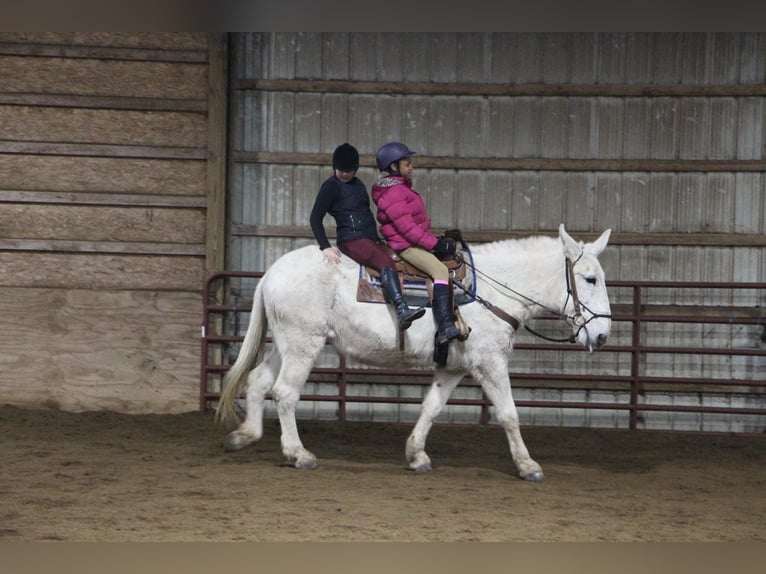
391,152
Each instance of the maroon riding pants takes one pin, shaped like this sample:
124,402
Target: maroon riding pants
367,252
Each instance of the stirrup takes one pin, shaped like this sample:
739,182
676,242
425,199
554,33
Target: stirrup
448,335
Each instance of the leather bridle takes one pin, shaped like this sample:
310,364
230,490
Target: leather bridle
577,320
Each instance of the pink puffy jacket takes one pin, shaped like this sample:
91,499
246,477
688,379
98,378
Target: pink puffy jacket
402,214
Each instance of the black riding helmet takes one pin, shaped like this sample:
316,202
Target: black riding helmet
345,158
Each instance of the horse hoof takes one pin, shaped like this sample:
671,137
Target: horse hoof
306,464
235,441
534,477
423,468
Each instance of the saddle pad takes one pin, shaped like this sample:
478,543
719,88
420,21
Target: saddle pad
417,287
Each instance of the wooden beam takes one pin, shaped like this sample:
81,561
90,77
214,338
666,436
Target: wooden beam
490,90
102,52
521,164
217,152
102,247
105,102
668,239
103,199
101,150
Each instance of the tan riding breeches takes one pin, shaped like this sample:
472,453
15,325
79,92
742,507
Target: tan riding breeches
426,261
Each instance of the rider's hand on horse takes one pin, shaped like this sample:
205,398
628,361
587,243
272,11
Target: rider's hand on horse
331,255
444,248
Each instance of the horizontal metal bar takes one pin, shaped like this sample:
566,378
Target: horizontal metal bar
529,404
574,348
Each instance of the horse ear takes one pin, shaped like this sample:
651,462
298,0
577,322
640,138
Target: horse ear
571,247
599,245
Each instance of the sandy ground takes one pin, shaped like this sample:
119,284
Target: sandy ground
111,477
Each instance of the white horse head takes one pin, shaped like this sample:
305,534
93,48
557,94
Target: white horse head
587,306
304,301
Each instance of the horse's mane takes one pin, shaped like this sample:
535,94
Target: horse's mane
517,245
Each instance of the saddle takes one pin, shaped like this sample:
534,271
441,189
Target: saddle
417,286
417,289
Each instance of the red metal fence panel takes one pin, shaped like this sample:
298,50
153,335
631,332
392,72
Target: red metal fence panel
644,312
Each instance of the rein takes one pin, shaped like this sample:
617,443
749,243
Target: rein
571,292
511,320
577,318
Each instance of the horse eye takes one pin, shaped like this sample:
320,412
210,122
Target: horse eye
591,280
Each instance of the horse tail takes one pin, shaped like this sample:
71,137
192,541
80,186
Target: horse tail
249,355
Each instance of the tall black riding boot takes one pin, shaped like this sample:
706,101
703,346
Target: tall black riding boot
389,280
446,330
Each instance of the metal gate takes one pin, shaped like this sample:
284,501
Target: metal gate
624,385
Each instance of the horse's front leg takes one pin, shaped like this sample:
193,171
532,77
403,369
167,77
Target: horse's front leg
496,384
441,388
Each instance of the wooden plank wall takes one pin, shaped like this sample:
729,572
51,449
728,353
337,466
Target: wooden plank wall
105,156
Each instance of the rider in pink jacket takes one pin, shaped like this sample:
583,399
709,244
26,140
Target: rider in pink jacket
407,229
402,214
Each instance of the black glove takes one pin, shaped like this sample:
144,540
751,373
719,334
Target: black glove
444,248
455,234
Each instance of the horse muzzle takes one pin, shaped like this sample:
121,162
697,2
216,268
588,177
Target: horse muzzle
592,337
600,342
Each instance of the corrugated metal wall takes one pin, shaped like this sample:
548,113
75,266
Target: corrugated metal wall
658,136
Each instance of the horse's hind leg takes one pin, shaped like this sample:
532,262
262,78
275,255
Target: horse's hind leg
259,383
441,388
296,366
